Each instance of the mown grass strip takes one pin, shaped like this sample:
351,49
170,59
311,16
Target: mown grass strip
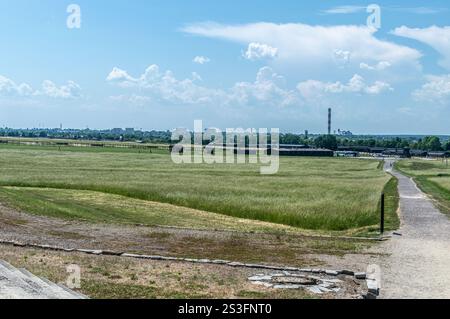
392,199
440,194
432,177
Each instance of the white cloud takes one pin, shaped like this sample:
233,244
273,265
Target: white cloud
267,89
378,87
9,88
306,45
436,37
256,51
342,57
345,9
164,85
49,89
68,91
312,89
380,66
437,89
201,60
121,77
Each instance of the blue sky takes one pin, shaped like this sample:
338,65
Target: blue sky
162,64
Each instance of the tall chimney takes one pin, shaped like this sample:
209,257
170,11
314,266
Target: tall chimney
329,121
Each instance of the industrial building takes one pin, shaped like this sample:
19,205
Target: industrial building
306,152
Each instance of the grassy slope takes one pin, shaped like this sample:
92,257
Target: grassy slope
433,177
392,220
320,194
109,208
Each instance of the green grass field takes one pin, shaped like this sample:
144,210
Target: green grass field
433,177
103,207
309,193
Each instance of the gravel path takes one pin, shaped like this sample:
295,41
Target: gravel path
419,262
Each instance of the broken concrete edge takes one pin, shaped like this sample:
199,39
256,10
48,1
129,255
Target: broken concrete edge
373,287
191,260
97,252
314,284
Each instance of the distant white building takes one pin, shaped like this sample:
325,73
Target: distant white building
344,133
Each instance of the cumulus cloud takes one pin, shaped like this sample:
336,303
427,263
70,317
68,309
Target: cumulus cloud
49,89
256,51
201,60
380,66
164,85
437,89
267,89
121,77
306,45
312,89
70,90
436,37
10,88
342,57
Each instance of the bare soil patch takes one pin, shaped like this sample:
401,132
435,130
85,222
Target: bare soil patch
283,249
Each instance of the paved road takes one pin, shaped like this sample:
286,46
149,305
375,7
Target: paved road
419,263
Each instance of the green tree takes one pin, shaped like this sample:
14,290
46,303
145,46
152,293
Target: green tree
447,146
432,143
327,141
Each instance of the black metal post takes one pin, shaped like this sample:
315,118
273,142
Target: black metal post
382,214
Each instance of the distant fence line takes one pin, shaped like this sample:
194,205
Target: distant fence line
85,144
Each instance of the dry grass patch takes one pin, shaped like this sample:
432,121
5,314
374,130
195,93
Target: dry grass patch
115,277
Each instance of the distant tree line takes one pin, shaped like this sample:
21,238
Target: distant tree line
127,135
428,143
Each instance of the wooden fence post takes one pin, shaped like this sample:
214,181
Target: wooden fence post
382,214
